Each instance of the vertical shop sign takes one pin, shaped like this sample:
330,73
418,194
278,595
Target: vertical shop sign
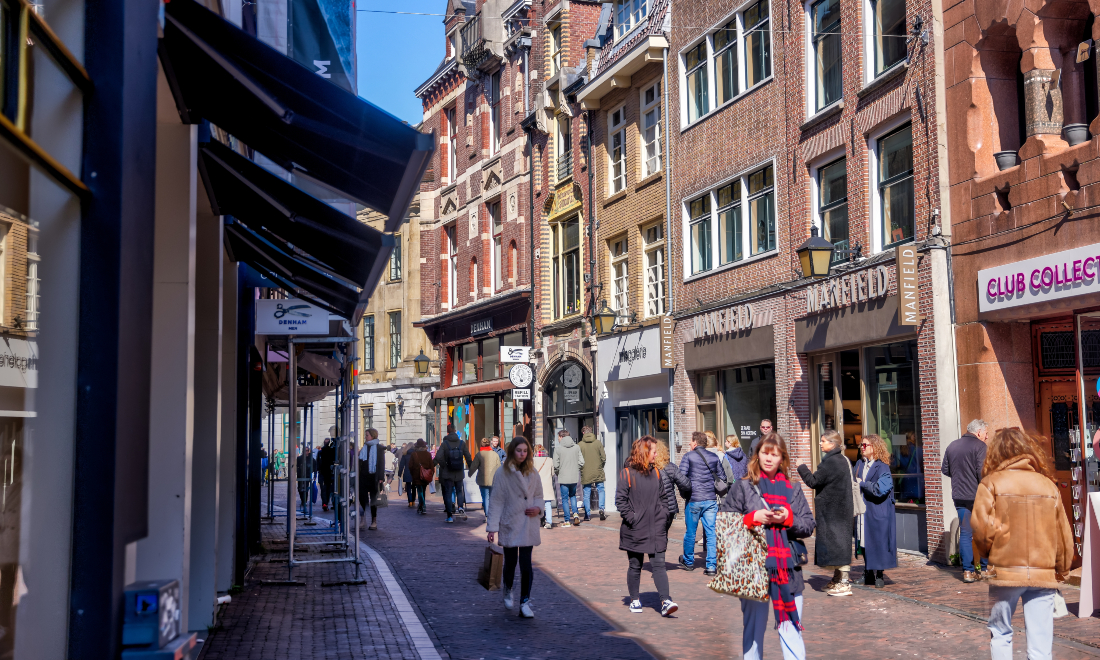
667,327
905,257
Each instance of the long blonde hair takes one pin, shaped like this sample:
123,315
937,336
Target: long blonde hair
528,463
1007,444
663,456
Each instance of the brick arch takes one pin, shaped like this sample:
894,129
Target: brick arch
564,355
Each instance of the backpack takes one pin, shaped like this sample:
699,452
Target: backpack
454,457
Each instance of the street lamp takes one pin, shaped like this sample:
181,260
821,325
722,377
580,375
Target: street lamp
816,255
422,363
604,320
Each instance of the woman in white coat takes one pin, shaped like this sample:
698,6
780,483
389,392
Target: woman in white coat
514,508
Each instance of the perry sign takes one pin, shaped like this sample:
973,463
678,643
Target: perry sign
290,317
1050,277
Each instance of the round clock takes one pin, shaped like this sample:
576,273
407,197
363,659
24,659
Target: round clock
573,376
520,375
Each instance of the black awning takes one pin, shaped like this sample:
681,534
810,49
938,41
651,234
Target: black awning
305,245
290,114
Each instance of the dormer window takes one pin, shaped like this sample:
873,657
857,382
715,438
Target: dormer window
628,14
452,44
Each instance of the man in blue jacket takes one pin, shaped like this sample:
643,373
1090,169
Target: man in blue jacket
700,467
962,461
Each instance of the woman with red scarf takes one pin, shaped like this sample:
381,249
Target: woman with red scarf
768,499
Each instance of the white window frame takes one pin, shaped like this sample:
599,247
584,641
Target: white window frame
746,234
815,166
713,105
497,224
34,282
654,288
451,232
811,64
629,14
875,214
869,75
452,44
474,279
616,183
658,139
559,255
450,116
620,273
495,116
557,58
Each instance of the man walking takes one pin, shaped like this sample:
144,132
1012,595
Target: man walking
326,458
372,476
494,442
303,467
766,427
592,476
453,459
701,467
962,461
568,462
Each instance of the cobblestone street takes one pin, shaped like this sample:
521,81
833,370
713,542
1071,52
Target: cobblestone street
579,598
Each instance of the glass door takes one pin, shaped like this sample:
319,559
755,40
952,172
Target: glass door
825,401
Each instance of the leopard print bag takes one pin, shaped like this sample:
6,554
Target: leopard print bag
742,552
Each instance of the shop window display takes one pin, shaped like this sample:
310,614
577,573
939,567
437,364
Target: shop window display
743,395
894,406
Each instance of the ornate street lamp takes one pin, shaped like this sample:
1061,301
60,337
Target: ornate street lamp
423,363
816,255
604,320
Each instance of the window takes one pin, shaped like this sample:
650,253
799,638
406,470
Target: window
391,422
452,44
895,186
706,389
368,421
498,246
395,260
762,210
726,74
616,150
368,343
888,17
469,363
566,262
730,234
450,170
651,129
654,270
513,263
494,113
758,43
473,279
695,63
620,281
564,148
700,234
832,206
827,83
555,48
628,14
452,266
395,339
33,282
490,359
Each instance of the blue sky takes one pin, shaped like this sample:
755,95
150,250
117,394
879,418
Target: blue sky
397,52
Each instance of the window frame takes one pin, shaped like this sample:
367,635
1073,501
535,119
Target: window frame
750,197
636,13
618,249
874,140
450,233
656,246
812,82
563,146
495,118
658,137
369,338
870,43
496,222
616,183
395,260
737,203
555,29
817,170
702,66
451,117
395,340
705,220
34,282
560,257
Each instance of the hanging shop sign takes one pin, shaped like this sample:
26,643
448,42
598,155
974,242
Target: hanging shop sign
521,375
18,363
481,326
848,289
515,354
290,317
905,256
572,395
667,329
631,354
521,395
730,320
1043,279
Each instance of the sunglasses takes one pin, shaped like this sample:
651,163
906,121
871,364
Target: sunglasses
865,444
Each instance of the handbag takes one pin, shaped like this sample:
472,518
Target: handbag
427,474
721,486
491,573
742,552
859,507
382,500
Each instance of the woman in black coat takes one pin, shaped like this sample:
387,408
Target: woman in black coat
671,481
643,504
833,504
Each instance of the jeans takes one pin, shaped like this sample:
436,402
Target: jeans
634,574
549,511
708,512
486,492
454,492
568,500
421,506
1038,621
410,490
587,490
966,541
755,617
526,573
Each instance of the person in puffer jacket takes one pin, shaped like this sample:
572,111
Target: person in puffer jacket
671,480
700,467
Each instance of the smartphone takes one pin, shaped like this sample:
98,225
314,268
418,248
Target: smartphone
779,509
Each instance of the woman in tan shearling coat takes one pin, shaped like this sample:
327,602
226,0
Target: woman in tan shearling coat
1019,523
514,508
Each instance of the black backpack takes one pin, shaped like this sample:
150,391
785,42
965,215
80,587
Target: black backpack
454,457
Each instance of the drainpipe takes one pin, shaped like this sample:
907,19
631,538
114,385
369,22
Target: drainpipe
591,213
668,254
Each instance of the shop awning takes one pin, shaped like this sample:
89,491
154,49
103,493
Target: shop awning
305,245
290,114
488,387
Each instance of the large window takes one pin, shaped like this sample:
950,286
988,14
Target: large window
480,360
620,277
895,186
490,359
616,150
832,204
894,413
555,48
395,339
758,43
654,238
762,210
700,234
495,116
498,247
888,18
566,264
651,129
736,56
452,265
726,71
828,82
368,343
395,260
695,62
628,14
730,234
450,170
469,363
564,146
748,396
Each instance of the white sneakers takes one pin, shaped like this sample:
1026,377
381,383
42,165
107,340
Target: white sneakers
525,610
636,606
842,588
508,602
668,607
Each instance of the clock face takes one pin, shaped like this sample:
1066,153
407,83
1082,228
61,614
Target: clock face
520,375
573,376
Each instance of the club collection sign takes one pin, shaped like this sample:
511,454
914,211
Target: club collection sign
1042,279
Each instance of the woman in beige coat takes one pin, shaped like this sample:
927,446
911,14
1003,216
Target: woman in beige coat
544,465
514,512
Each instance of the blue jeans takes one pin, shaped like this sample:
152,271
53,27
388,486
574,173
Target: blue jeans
549,511
708,512
587,498
755,617
568,500
966,541
1038,621
486,492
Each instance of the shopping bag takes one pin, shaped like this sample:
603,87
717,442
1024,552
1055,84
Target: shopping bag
313,493
431,487
742,552
1060,609
491,573
382,500
859,507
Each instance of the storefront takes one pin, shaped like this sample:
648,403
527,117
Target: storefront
1058,297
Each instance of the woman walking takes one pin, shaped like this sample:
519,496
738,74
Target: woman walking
768,499
671,478
544,465
422,471
405,474
514,513
645,510
1019,523
876,530
834,509
485,465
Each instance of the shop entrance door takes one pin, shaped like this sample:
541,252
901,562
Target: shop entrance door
838,401
634,423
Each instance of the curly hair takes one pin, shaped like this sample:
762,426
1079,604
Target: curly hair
663,457
528,463
772,439
640,454
1011,443
712,440
879,452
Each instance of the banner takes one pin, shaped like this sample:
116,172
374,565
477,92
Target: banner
322,38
